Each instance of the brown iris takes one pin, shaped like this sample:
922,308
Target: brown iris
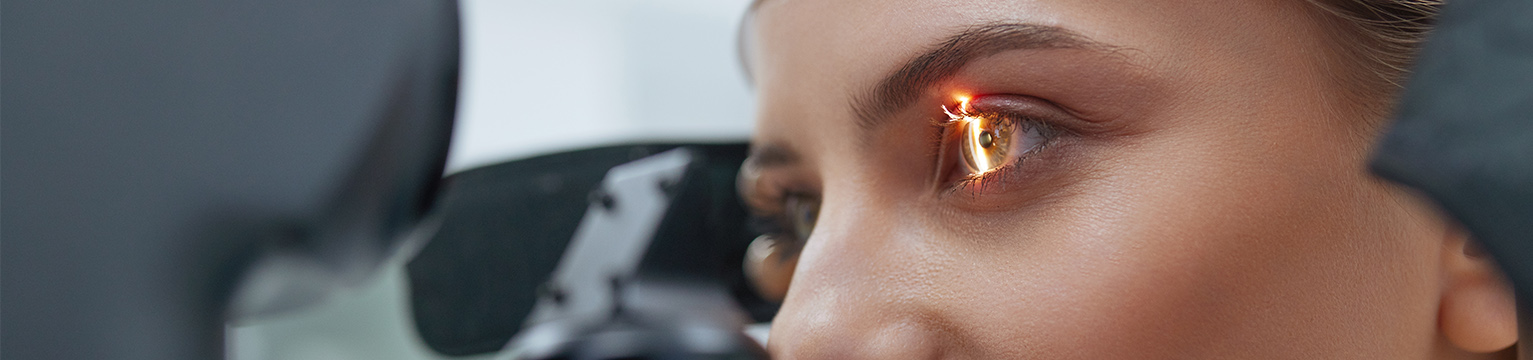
985,143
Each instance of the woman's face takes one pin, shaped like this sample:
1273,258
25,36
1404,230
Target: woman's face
1128,179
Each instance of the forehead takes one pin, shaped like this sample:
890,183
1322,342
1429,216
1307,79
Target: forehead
809,58
819,52
842,41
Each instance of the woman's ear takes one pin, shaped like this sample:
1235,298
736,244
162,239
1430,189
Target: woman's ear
1478,312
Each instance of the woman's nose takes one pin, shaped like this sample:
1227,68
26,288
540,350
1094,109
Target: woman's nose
856,295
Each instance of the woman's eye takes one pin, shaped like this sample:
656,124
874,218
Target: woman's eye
991,141
801,212
771,257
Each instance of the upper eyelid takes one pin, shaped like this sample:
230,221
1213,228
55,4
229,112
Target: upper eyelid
748,185
765,157
1009,106
1047,126
764,183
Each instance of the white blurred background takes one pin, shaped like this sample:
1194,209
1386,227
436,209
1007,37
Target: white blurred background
541,77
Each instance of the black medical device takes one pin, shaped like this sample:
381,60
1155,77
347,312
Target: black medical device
586,243
646,274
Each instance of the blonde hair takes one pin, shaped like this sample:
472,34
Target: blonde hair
1382,37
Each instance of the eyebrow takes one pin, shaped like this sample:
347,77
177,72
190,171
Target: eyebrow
905,85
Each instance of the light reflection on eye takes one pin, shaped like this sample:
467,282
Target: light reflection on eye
986,143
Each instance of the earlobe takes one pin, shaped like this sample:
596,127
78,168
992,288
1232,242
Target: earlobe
1478,312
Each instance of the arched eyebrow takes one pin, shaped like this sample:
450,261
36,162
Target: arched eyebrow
903,86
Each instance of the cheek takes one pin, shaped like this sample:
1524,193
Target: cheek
1184,253
892,281
1227,247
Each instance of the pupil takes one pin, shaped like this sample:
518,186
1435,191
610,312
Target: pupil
986,140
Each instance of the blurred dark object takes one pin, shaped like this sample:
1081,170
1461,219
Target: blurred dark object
169,164
645,274
506,226
1464,132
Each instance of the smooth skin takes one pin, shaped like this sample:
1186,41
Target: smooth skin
1206,197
